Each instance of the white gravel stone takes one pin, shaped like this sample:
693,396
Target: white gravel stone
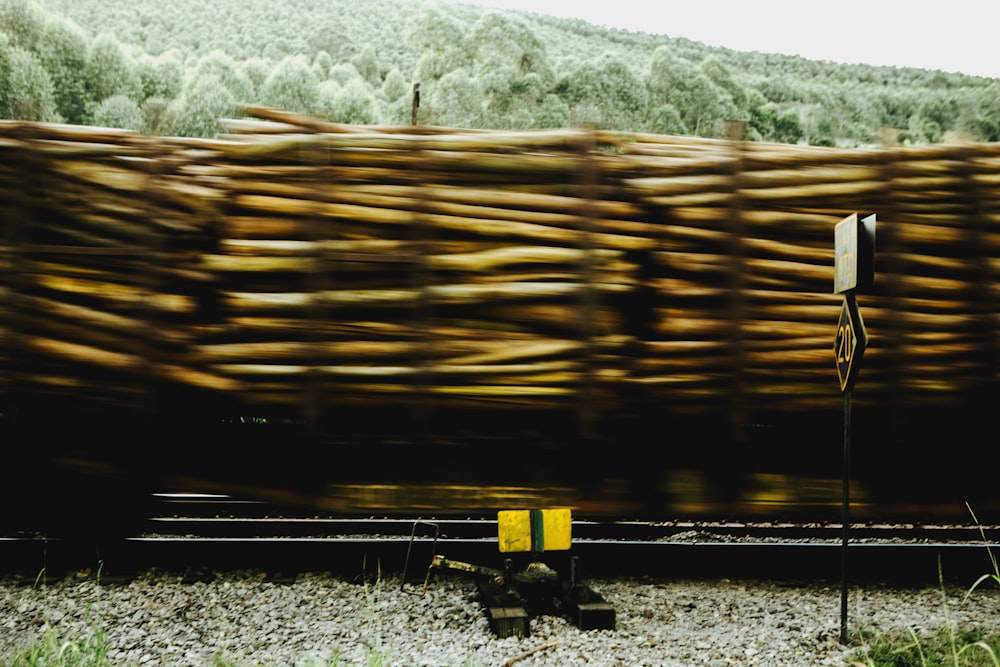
323,620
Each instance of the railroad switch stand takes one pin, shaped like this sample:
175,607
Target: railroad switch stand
510,597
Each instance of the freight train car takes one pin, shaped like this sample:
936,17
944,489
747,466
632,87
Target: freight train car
421,320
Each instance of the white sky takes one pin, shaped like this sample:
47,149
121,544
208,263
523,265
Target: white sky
949,35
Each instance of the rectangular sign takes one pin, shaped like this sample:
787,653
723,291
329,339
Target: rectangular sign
854,251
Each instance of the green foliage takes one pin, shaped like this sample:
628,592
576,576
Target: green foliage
440,42
355,103
667,73
787,128
291,85
160,76
255,71
666,119
28,93
529,71
552,113
322,64
197,111
23,22
501,40
54,650
947,647
950,646
394,86
720,75
158,118
119,111
343,73
109,71
62,50
5,49
455,101
606,92
227,72
366,62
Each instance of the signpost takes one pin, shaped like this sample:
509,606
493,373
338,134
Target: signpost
850,343
853,270
854,243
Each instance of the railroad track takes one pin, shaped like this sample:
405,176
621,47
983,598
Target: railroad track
189,531
222,516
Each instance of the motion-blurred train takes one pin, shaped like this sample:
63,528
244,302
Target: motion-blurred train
428,321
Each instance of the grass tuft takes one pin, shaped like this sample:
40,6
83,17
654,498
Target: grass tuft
951,646
53,650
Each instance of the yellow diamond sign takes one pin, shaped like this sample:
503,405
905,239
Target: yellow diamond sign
850,343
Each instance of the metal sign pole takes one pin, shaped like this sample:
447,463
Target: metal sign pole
845,533
853,270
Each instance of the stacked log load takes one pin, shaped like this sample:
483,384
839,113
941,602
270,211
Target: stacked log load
292,258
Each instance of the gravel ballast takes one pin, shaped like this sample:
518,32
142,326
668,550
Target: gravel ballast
246,618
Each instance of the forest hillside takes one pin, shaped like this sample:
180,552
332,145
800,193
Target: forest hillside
177,67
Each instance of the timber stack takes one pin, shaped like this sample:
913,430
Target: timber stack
522,270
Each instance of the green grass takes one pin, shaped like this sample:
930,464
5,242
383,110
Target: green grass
950,646
90,647
54,650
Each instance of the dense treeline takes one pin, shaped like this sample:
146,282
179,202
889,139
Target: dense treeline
177,67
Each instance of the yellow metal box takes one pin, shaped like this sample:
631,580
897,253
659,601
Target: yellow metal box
534,530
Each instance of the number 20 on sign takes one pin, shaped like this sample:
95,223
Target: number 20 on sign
850,342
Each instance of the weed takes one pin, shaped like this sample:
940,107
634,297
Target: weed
950,646
995,574
52,650
377,656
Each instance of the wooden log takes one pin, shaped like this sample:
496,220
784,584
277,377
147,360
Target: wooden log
126,297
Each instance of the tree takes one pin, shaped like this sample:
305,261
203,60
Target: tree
161,76
714,69
666,119
394,86
354,103
984,117
158,117
605,91
940,110
198,110
23,21
326,98
512,69
787,128
62,50
552,113
500,41
322,64
366,62
703,105
255,71
227,71
439,41
820,127
292,85
29,91
922,130
5,49
334,37
761,115
119,111
456,100
667,72
769,124
344,72
109,71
